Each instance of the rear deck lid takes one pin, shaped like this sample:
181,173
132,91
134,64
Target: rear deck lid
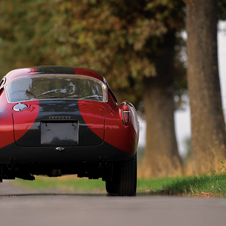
60,123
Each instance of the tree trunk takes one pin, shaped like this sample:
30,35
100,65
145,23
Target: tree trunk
208,126
161,152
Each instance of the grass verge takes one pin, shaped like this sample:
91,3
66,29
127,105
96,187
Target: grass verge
66,183
202,186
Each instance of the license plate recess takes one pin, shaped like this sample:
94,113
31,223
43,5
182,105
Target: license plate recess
59,133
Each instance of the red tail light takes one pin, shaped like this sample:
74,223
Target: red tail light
126,114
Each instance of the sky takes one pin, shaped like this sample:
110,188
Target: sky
182,118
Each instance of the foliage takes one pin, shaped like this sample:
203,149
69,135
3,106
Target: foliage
113,37
116,38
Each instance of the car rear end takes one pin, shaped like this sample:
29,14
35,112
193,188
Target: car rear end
48,112
65,123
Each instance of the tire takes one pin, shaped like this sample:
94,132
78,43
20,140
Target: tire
127,178
111,187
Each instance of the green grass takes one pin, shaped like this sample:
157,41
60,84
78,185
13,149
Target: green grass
214,185
64,184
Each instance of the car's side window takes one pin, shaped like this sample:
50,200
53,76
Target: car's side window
1,85
2,82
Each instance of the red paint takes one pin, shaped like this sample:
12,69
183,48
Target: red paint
117,134
6,122
89,72
6,112
93,114
23,120
20,72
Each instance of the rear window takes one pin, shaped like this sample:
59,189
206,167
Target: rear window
79,87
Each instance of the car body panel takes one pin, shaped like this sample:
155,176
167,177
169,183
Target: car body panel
61,111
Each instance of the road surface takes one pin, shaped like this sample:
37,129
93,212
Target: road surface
21,207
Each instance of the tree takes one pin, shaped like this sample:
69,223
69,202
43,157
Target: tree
161,154
208,126
130,42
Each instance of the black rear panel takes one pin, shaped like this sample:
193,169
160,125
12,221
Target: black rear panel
54,114
55,70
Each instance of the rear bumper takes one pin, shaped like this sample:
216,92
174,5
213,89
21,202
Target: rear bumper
70,155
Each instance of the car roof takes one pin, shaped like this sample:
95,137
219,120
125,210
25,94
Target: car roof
54,70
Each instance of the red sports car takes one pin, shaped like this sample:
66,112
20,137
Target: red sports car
66,120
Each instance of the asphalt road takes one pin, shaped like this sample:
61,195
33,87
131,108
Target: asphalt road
33,208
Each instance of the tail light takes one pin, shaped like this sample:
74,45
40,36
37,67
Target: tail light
126,114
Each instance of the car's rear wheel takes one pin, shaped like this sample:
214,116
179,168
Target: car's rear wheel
111,186
127,180
123,179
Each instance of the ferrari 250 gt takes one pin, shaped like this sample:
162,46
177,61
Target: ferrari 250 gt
56,121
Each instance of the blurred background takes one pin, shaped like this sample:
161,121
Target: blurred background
139,46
